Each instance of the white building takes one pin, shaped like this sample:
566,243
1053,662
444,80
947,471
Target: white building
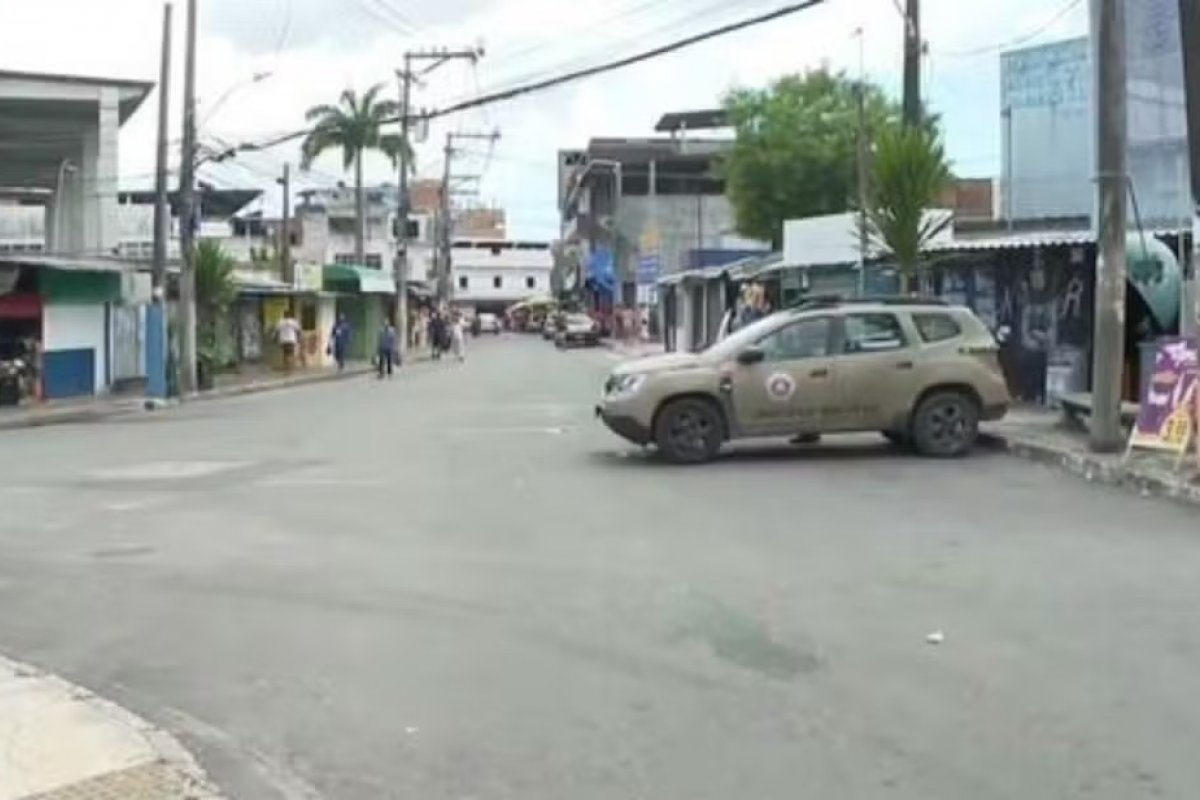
491,275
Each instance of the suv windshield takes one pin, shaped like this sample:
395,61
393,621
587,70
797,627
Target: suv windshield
744,337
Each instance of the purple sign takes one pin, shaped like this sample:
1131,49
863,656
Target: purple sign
1164,419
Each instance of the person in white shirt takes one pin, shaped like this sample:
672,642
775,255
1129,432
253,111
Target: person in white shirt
287,333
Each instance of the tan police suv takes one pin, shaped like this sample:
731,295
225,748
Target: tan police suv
922,373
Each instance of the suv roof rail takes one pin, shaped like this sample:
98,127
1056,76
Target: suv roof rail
835,300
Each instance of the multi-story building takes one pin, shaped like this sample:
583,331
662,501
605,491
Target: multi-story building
633,209
490,275
1048,114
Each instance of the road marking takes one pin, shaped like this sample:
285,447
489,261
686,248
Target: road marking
167,470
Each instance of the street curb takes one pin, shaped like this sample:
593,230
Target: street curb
100,412
1107,470
167,751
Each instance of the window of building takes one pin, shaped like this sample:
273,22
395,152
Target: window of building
462,281
374,260
343,258
530,282
808,338
872,333
936,327
497,282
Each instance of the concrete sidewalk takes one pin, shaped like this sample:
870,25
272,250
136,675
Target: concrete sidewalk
1041,435
94,409
61,742
633,349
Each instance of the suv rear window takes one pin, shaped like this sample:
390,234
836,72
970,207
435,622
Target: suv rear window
937,327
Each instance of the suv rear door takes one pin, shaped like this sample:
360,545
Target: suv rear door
792,389
876,366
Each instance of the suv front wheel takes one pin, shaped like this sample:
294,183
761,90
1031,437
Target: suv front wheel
945,425
689,430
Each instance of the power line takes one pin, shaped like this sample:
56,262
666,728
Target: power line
570,77
1017,41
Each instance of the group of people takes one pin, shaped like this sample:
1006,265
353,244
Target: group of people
447,334
387,353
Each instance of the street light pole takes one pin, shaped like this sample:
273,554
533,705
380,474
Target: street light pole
1111,174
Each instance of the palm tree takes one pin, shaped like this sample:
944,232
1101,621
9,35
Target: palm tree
354,125
216,292
909,173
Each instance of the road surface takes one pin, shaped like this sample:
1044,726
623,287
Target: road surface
456,586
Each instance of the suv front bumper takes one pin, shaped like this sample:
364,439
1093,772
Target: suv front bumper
627,428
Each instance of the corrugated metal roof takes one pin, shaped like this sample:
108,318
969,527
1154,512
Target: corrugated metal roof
1014,241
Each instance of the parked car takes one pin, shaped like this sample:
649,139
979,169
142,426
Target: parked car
922,373
487,323
577,329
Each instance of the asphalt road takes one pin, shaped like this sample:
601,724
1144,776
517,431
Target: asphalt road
455,586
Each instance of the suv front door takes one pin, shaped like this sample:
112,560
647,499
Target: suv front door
877,379
791,390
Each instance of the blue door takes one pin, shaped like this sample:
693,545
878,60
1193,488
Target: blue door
69,373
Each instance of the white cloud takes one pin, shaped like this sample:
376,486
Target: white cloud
315,48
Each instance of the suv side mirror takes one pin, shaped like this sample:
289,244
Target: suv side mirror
751,356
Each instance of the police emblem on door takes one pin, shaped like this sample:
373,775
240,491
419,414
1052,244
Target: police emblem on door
781,386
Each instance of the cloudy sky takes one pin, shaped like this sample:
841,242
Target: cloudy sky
313,49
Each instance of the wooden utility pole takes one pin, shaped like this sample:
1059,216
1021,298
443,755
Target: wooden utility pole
286,268
912,62
156,316
1108,351
187,214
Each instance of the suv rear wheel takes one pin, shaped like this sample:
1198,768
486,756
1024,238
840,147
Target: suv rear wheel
945,425
689,430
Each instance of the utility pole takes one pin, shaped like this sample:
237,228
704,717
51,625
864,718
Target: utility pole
286,271
863,189
407,77
156,316
1107,435
445,289
1189,28
187,214
912,62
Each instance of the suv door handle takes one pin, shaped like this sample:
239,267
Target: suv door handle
822,372
904,365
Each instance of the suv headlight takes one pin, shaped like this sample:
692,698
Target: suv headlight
624,384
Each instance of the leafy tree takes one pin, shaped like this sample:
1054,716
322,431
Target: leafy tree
355,126
216,291
795,151
909,173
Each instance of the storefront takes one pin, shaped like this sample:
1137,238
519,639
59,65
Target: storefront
364,296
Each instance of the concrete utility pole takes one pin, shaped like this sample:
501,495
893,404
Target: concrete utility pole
912,62
1189,25
187,214
1107,435
445,290
156,314
286,267
407,77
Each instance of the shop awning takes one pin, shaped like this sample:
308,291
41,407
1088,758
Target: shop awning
254,283
72,263
363,280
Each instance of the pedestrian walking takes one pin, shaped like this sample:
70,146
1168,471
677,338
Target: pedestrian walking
287,333
339,341
458,338
437,334
385,350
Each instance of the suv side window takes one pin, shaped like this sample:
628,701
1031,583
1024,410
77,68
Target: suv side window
807,338
936,327
872,333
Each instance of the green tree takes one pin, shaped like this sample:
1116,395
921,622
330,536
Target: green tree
909,173
355,126
216,291
795,152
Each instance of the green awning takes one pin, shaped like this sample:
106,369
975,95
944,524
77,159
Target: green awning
364,280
